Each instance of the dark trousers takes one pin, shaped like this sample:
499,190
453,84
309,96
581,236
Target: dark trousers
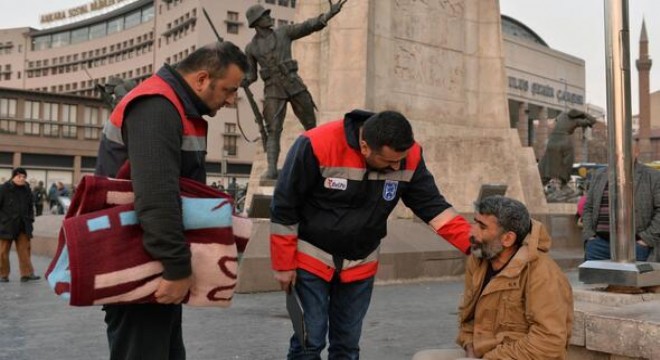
144,332
334,310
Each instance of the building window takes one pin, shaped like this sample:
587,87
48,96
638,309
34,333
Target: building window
230,148
31,112
7,112
115,25
132,19
98,31
91,117
51,113
232,22
69,117
283,2
79,35
270,1
293,3
230,128
61,39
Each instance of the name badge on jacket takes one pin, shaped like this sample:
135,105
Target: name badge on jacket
335,184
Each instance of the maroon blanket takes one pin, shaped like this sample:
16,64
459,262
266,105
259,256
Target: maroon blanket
101,259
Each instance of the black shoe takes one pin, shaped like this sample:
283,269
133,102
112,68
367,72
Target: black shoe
4,279
30,277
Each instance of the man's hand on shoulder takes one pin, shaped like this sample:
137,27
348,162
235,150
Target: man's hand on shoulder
173,291
285,278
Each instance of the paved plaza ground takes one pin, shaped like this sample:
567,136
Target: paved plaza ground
403,318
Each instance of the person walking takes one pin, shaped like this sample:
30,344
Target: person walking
16,218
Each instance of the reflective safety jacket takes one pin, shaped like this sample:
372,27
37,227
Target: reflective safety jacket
113,152
329,211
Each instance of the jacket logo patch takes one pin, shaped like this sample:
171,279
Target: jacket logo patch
389,190
335,184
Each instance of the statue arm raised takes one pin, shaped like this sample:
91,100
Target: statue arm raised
297,31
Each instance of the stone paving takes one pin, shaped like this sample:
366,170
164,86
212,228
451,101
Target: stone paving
403,318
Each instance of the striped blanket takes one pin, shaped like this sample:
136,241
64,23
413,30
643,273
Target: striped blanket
101,260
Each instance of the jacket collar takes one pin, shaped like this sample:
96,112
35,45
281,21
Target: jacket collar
537,240
193,106
353,121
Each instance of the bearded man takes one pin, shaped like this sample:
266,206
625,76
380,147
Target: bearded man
517,303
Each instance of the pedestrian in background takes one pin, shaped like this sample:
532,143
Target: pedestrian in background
39,196
16,218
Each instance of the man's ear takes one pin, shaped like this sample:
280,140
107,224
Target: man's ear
508,239
364,148
199,79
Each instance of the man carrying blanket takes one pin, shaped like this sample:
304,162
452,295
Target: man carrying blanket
158,126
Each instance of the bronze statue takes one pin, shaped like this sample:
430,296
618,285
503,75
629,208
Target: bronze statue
270,53
114,90
558,159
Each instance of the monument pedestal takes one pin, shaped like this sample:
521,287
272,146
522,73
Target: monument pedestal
614,326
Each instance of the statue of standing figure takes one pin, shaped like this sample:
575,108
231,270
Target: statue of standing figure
557,162
114,90
270,53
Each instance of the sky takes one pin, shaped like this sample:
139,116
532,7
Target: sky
575,27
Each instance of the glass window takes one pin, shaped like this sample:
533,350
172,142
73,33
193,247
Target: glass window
91,117
97,31
69,117
132,19
7,111
79,35
41,42
115,25
61,39
147,13
283,2
51,113
230,128
230,147
31,112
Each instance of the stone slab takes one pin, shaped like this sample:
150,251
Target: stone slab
621,326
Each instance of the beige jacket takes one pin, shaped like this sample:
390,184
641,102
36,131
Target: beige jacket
525,311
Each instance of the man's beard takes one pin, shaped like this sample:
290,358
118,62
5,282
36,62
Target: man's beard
486,250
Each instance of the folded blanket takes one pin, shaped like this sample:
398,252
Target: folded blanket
101,259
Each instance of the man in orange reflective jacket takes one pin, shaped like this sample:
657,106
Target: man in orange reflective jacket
339,184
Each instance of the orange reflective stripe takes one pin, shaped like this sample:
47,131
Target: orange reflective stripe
315,266
320,263
283,252
358,273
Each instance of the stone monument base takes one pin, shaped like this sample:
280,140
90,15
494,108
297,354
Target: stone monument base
615,326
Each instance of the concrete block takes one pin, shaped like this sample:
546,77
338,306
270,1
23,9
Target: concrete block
632,331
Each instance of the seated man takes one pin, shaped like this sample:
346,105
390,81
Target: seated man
596,214
517,303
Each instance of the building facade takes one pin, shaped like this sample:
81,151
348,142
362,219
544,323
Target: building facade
541,83
130,41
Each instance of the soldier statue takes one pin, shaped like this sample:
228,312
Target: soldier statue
270,53
114,90
557,161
